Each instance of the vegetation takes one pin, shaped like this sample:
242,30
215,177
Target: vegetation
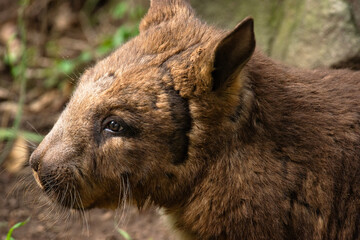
124,234
17,225
18,73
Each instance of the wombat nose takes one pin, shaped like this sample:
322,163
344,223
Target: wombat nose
34,161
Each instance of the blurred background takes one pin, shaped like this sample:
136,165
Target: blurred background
45,45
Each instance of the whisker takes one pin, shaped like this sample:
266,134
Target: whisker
32,126
82,213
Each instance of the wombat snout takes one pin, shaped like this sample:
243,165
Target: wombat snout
34,161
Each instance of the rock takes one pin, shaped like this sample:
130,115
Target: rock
355,11
304,33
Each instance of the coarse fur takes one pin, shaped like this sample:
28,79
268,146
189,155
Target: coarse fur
229,143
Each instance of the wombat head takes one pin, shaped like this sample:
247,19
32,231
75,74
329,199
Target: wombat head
149,118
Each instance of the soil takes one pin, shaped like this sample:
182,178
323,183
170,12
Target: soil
20,200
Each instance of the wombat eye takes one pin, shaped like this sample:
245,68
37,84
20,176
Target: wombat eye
114,126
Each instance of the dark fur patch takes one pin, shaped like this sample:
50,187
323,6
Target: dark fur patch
182,120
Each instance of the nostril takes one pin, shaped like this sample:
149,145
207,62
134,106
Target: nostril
34,161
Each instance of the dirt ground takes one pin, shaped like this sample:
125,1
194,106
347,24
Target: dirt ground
18,201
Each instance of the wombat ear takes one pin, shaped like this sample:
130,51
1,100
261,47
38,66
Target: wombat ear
163,10
233,52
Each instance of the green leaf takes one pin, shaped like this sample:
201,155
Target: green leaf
7,133
9,59
52,80
120,10
32,137
17,225
137,12
16,71
24,3
123,34
124,234
85,57
119,36
66,66
105,47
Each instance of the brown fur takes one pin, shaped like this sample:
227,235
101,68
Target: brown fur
231,144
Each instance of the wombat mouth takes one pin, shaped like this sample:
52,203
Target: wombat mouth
69,199
65,195
68,194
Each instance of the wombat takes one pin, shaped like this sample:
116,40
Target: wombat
229,143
